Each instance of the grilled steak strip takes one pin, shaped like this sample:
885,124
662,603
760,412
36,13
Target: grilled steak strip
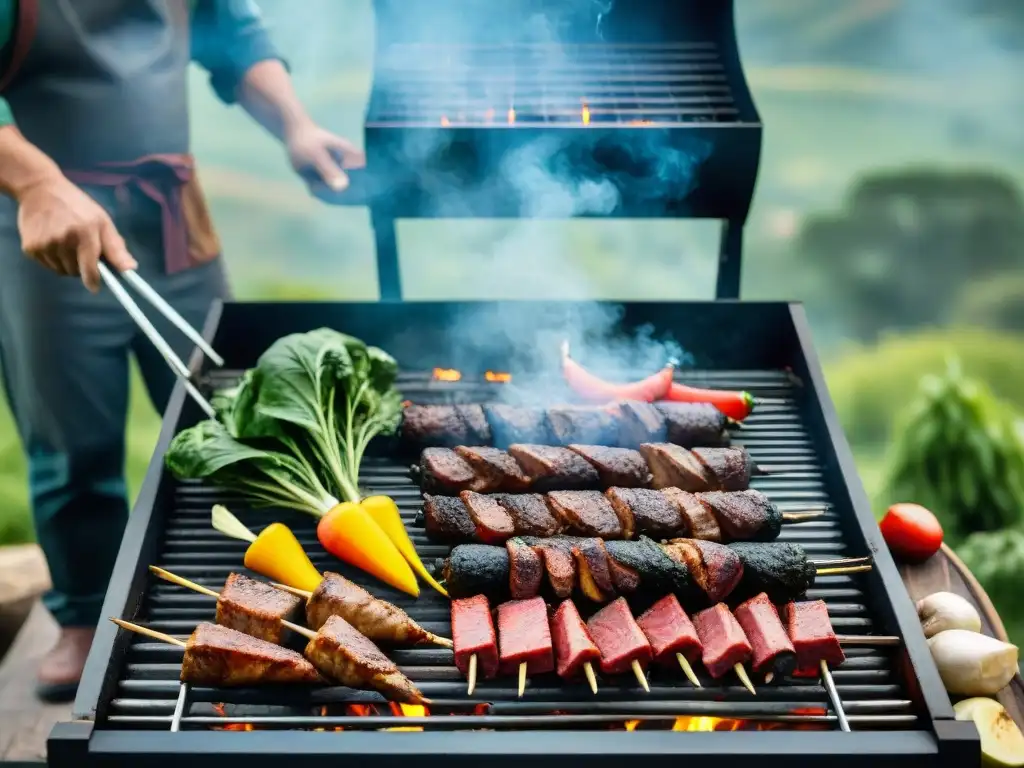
524,635
723,640
730,468
491,521
473,634
618,638
496,470
622,467
586,513
526,569
530,514
773,650
744,515
698,522
672,466
574,646
555,469
221,657
652,512
442,470
342,653
255,608
377,619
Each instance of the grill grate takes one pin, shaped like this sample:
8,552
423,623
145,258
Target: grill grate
148,694
550,85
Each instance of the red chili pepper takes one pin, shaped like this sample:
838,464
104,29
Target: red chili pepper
735,405
588,385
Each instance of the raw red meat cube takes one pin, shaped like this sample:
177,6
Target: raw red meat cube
525,635
724,643
573,644
618,638
670,631
810,631
773,651
473,632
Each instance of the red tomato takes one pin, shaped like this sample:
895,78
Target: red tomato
911,532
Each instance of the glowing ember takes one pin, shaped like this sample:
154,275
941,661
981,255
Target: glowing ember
511,115
705,724
360,710
489,115
631,725
585,114
498,376
447,374
219,709
445,121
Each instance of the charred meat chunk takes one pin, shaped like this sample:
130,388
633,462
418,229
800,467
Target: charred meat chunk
515,424
744,516
652,512
255,607
434,425
715,567
640,423
698,522
574,646
524,636
477,428
617,467
672,466
595,577
342,653
217,656
530,514
780,569
474,569
586,513
670,631
728,468
723,640
559,563
811,633
658,572
492,521
583,424
772,649
525,568
618,638
554,468
377,619
496,470
443,470
473,635
694,424
446,519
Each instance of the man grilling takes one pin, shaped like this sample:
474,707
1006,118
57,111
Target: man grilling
95,164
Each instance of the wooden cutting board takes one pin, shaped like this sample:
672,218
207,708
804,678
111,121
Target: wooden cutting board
945,572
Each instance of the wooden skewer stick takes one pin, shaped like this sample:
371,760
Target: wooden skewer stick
741,673
640,676
875,641
843,570
833,694
841,561
802,517
140,630
588,670
688,670
472,675
522,679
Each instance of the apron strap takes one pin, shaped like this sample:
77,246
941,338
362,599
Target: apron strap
21,41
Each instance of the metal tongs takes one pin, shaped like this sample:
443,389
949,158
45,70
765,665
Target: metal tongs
180,369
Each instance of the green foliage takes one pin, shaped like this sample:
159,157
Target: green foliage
958,452
871,386
997,302
997,560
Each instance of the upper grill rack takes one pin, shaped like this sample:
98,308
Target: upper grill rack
148,693
624,85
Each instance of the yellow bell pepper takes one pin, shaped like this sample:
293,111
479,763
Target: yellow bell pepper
350,534
385,513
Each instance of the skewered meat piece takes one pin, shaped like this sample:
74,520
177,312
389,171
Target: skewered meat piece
779,569
693,424
586,425
554,468
530,514
476,424
443,470
491,521
773,651
810,631
723,640
622,467
574,646
595,577
524,635
255,608
640,423
699,523
658,573
672,466
473,633
619,638
473,569
587,513
669,631
219,656
377,619
729,469
652,513
715,567
559,563
744,515
516,424
526,569
496,470
342,653
435,425
447,519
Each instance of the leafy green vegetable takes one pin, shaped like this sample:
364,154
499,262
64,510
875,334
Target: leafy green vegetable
959,453
316,399
997,560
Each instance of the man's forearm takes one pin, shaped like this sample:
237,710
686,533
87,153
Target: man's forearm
22,164
266,93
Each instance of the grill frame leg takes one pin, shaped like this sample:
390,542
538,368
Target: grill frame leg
730,260
389,275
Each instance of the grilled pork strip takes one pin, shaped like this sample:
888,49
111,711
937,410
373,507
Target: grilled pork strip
512,424
669,631
443,470
617,467
587,513
813,638
618,638
526,569
342,653
492,522
473,634
723,640
530,514
495,468
255,608
693,424
698,522
587,425
640,423
555,468
715,567
728,468
773,651
744,515
574,646
222,657
524,635
377,619
672,466
446,519
652,513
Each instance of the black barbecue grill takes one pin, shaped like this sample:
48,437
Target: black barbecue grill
131,709
632,109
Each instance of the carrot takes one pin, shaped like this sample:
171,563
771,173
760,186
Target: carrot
586,384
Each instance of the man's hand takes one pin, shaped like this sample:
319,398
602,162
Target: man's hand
66,230
321,157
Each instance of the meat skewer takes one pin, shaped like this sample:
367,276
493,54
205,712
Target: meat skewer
671,633
725,646
524,638
476,646
773,652
618,513
621,642
220,656
574,647
810,631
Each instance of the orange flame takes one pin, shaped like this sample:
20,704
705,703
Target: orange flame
511,115
447,374
498,376
585,114
445,121
408,710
